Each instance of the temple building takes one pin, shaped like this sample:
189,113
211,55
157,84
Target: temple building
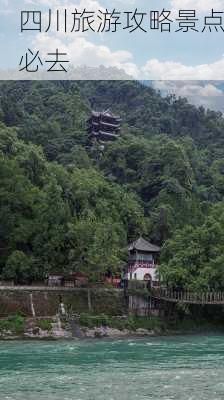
143,261
104,127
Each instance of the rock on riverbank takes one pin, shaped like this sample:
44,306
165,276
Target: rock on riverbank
54,328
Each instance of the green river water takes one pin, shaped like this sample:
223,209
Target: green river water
181,368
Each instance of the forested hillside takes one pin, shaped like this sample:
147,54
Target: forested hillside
66,205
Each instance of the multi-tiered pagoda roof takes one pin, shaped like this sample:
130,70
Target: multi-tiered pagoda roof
104,126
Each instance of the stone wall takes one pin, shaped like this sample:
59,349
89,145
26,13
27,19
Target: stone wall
46,301
142,307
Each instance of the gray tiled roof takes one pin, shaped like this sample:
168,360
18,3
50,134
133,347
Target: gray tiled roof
143,245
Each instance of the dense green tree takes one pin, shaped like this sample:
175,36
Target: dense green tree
66,205
21,268
57,219
97,246
193,258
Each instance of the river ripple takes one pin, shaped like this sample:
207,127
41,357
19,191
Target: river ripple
174,368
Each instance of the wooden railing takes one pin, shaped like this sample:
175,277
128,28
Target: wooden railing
188,297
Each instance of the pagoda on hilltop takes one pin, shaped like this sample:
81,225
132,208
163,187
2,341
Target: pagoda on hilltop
104,127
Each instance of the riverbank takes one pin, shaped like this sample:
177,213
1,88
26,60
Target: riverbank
87,326
83,326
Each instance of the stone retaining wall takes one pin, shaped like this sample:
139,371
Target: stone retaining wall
46,301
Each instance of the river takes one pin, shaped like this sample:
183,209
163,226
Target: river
180,368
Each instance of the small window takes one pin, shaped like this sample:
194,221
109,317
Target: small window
135,276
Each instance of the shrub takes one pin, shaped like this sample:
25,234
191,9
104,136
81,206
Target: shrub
14,323
17,323
45,324
130,323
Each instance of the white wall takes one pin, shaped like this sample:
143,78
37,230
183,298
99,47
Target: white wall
141,272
